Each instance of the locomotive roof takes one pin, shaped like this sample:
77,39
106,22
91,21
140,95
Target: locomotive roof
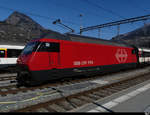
55,35
83,39
87,39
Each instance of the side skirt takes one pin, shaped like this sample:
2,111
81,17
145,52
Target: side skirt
45,75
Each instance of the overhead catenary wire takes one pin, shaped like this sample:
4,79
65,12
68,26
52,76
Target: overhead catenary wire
137,6
81,10
104,9
71,8
37,15
125,21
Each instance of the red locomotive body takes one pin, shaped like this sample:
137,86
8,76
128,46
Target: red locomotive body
47,59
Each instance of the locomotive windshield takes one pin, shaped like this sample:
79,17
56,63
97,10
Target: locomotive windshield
29,48
41,47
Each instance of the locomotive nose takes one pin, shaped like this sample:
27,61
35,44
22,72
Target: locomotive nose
21,60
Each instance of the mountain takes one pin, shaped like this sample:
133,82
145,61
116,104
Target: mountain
19,29
139,37
19,19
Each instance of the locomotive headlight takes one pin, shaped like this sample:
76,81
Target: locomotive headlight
19,61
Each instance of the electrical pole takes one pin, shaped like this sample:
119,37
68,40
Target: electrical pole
118,30
81,26
99,32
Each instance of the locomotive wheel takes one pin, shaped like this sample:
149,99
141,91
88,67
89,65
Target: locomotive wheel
24,79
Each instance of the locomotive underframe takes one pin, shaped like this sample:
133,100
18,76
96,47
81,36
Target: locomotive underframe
38,77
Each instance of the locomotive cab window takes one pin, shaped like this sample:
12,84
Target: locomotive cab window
30,47
2,53
49,47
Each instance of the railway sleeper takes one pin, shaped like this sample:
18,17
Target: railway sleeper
42,110
118,88
128,84
50,109
101,95
65,104
77,102
113,90
84,101
94,97
143,79
125,85
105,92
57,108
85,98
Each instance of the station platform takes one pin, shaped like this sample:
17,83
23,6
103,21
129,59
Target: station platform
134,99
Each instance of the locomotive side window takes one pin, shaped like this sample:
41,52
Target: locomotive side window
2,53
54,47
13,53
49,47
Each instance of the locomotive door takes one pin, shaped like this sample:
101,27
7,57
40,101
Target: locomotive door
54,60
54,55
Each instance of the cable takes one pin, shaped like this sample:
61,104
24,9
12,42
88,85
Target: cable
137,6
104,9
37,15
79,11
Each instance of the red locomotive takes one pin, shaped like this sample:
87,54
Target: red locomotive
58,56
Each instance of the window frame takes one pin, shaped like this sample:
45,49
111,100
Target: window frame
13,53
54,47
4,53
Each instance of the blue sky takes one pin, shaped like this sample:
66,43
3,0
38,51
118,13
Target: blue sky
94,12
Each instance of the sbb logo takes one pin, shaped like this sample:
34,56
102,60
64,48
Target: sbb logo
121,55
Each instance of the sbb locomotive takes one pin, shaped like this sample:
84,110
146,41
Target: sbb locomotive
57,56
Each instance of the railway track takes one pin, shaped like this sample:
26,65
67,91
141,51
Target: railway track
73,101
6,78
11,91
7,75
7,88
